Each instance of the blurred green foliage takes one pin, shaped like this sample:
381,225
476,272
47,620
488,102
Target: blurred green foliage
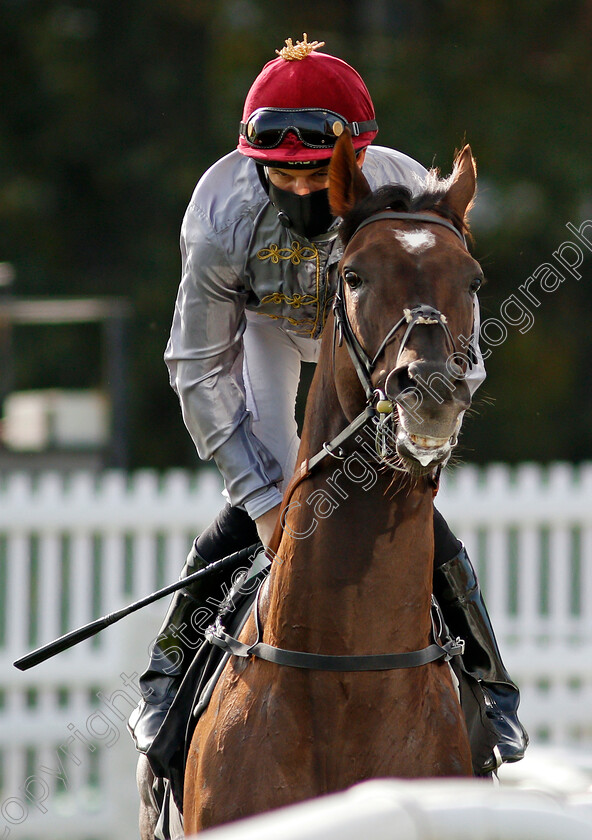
110,112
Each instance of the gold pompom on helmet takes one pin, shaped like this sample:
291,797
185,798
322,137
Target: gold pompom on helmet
300,103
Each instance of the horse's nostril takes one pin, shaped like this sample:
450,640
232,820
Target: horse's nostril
430,379
455,370
398,381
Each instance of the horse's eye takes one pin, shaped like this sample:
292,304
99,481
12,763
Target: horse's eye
475,285
352,279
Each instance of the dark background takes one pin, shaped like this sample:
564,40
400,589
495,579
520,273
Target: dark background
110,111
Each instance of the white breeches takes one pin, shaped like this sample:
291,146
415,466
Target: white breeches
271,373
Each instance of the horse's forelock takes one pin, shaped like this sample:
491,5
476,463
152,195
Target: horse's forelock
401,200
388,197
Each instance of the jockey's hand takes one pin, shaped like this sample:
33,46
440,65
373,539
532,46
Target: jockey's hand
266,524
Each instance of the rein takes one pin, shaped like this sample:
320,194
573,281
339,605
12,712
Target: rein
364,366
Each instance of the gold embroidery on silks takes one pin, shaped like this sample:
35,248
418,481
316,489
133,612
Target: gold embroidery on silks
295,302
296,254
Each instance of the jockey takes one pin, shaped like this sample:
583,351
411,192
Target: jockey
257,241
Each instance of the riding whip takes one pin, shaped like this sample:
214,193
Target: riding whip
74,637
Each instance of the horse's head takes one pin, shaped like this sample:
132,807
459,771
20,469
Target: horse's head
404,304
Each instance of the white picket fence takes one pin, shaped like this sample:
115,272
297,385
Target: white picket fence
72,549
529,533
75,547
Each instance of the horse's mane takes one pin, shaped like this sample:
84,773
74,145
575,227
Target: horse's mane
400,199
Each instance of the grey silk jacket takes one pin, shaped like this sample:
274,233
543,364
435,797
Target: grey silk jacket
237,256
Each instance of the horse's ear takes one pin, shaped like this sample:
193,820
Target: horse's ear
347,184
463,183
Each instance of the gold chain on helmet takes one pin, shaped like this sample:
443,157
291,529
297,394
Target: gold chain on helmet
299,50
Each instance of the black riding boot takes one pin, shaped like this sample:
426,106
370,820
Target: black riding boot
457,590
191,610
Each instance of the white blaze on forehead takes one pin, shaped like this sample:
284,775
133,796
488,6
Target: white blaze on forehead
415,241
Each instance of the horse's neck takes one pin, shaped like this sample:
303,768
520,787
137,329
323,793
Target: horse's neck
354,565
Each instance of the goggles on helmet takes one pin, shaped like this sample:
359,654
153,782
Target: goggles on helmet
316,128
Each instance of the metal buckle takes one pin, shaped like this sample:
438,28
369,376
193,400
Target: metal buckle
339,454
454,648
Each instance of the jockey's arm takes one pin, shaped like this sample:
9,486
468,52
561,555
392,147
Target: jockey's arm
204,356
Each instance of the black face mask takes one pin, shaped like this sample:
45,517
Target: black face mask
309,215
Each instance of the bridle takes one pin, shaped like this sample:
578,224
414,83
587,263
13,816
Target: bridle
364,364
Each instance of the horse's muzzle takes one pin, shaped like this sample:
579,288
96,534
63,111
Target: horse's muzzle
431,399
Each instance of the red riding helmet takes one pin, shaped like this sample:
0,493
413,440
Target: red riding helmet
300,103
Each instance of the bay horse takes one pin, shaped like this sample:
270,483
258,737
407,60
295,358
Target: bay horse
353,552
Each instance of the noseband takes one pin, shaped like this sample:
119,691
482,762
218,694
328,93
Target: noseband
423,314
